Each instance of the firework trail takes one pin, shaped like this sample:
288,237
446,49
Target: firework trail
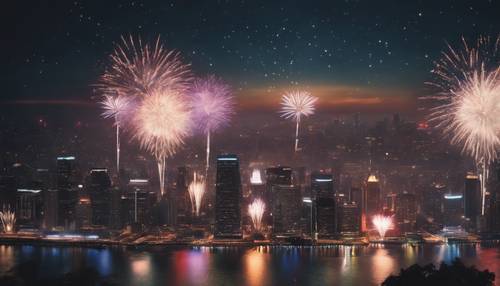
212,105
468,83
196,191
115,107
138,69
382,224
296,104
8,219
160,124
256,211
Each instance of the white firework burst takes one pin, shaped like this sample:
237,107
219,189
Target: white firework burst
115,107
161,123
468,82
8,219
295,105
256,211
196,191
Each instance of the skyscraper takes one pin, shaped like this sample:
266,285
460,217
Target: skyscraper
228,198
65,178
406,212
98,186
349,221
371,201
453,211
472,199
286,210
324,196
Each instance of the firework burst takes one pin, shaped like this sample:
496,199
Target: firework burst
296,104
8,219
256,211
115,107
138,69
382,224
212,106
161,123
196,191
468,83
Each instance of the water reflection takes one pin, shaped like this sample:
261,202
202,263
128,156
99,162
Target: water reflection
141,269
382,264
255,267
336,265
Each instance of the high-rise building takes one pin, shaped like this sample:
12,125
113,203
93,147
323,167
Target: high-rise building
83,212
286,210
137,203
29,210
349,221
98,186
182,206
324,196
51,209
228,198
66,172
432,203
67,200
275,176
452,209
472,199
8,192
406,212
371,201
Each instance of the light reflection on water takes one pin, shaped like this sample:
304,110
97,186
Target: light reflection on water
335,265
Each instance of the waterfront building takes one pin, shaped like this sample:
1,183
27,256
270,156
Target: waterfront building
371,201
228,198
406,212
66,172
453,209
98,186
349,220
29,208
286,210
472,199
324,196
51,209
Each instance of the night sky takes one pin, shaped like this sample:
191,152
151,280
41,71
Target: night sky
346,52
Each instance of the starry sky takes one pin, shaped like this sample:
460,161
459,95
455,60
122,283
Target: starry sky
348,53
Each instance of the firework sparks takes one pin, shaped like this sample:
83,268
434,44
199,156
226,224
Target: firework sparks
115,107
212,105
296,104
161,123
138,69
382,224
196,191
256,211
8,219
468,80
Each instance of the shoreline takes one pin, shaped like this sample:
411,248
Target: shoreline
101,243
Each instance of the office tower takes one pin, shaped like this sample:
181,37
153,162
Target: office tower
349,222
494,210
406,212
308,217
324,196
371,201
66,172
97,186
472,199
275,176
83,212
432,203
137,203
29,209
182,207
286,210
51,209
452,209
67,200
228,198
8,192
390,203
